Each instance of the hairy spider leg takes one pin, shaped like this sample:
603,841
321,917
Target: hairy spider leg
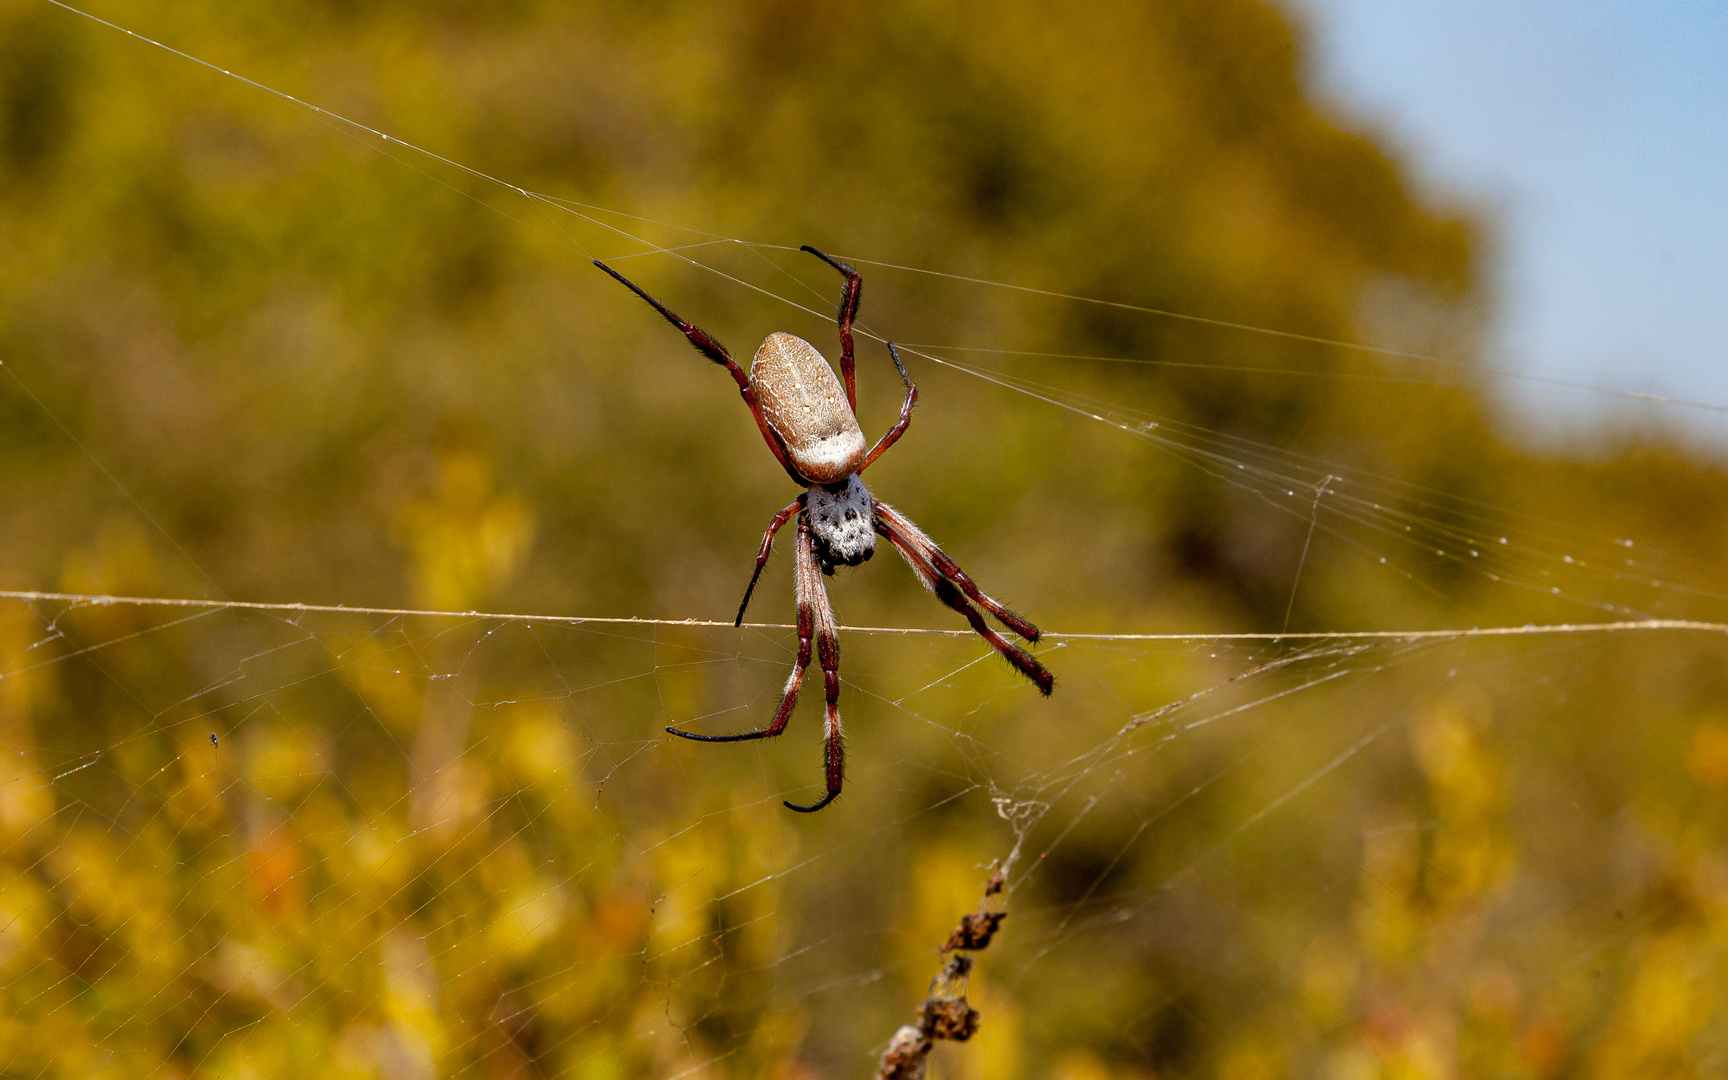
767,547
920,553
848,311
892,435
944,565
807,628
713,350
813,609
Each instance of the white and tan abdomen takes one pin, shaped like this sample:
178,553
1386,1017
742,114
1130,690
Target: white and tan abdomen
805,404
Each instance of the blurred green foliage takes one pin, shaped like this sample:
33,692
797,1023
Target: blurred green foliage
249,356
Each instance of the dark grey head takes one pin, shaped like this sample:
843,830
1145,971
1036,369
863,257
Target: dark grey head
842,523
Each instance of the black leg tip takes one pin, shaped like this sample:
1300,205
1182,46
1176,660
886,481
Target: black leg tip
830,260
812,808
742,736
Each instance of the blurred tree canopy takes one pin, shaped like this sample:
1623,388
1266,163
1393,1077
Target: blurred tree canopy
251,354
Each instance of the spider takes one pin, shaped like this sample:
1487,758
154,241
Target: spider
814,435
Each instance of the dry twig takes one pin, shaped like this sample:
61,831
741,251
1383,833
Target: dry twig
945,1013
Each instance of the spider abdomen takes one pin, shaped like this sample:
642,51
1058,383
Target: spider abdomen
805,404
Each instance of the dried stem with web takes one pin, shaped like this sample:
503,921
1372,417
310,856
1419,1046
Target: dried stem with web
945,1013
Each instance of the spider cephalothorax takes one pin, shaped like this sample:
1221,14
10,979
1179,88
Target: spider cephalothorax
810,422
842,523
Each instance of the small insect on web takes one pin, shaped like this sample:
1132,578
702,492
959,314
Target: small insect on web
795,398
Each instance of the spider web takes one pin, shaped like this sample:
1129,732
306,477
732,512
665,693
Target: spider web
244,837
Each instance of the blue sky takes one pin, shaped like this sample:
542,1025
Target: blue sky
1596,132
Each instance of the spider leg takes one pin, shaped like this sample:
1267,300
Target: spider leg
848,310
892,435
767,546
813,603
940,561
713,350
810,619
942,576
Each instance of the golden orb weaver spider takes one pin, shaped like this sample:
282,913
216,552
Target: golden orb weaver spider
810,423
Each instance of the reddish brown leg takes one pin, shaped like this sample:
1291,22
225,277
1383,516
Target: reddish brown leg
892,435
848,310
949,569
918,551
809,620
813,597
713,350
767,546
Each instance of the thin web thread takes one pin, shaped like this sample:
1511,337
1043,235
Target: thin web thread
1022,814
543,201
1527,629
